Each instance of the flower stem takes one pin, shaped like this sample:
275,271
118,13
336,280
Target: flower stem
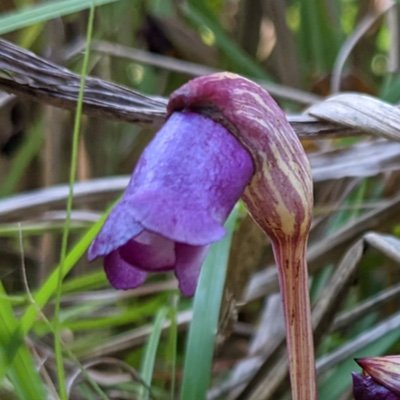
293,280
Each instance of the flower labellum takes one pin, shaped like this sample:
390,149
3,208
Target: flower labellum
184,186
381,379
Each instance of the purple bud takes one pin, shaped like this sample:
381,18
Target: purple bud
384,370
365,388
183,188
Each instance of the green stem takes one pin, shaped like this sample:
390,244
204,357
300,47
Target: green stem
64,241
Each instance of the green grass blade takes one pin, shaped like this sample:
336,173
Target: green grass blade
172,341
43,12
45,293
150,353
48,289
65,236
84,317
88,281
22,160
206,307
37,228
320,39
241,62
22,370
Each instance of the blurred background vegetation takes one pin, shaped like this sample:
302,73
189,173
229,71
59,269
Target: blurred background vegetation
118,344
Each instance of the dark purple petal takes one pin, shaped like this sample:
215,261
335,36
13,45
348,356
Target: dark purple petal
188,263
365,388
119,227
188,180
121,274
150,252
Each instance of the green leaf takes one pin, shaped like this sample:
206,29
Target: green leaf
43,12
240,60
320,35
21,161
44,294
151,352
172,341
206,307
72,176
21,369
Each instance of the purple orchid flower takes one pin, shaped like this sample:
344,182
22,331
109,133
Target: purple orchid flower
380,380
183,188
224,134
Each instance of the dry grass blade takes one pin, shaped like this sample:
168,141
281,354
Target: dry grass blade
361,112
267,341
147,58
363,26
22,72
309,127
335,291
106,377
22,206
133,338
346,318
193,69
360,160
383,328
109,295
387,244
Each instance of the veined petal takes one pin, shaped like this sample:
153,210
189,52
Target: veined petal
384,370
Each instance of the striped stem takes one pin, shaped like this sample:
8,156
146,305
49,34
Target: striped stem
293,281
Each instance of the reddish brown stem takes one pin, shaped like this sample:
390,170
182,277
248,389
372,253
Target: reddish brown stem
293,280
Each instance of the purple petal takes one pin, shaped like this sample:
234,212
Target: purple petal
365,388
119,227
188,180
149,252
188,263
121,274
183,188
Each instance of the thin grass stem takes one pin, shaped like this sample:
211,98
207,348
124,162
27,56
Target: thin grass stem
64,241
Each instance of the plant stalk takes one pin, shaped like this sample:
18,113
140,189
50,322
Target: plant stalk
293,281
